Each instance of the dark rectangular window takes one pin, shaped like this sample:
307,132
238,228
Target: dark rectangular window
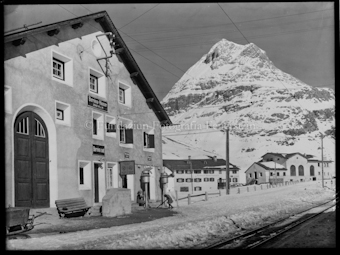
122,95
184,189
129,136
60,114
93,84
81,175
94,125
58,69
110,128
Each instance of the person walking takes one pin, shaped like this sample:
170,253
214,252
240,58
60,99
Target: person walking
168,200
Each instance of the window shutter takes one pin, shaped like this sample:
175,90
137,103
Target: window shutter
145,139
151,141
129,135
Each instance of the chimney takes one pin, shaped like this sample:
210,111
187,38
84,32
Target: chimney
215,158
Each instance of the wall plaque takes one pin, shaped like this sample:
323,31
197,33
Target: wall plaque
126,167
98,149
97,103
126,155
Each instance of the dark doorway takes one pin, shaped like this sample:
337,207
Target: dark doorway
31,161
96,183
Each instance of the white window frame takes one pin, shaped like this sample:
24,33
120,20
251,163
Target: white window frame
127,94
66,108
110,120
87,175
99,117
8,99
101,82
125,123
67,68
182,180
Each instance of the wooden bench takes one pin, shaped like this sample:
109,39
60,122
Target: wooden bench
72,207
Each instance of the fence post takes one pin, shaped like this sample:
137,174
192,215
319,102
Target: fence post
189,199
206,196
219,192
176,198
238,191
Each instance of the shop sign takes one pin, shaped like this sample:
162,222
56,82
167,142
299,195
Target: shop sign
97,103
98,149
127,167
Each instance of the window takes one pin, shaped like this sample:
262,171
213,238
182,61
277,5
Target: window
97,83
110,127
311,170
234,179
93,84
180,180
97,125
23,126
250,175
318,164
212,179
58,69
188,180
292,170
184,189
208,171
188,171
180,171
62,113
125,133
109,177
84,175
149,140
62,68
124,92
284,173
278,173
271,173
197,171
260,174
301,170
206,179
220,171
39,129
197,188
234,172
197,180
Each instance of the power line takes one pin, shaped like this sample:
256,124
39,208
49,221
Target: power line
138,17
233,22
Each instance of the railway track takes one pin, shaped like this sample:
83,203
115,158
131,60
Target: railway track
260,236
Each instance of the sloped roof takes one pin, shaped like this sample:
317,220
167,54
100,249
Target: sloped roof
288,155
107,25
271,165
197,164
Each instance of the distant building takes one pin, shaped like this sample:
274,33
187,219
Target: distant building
281,167
196,176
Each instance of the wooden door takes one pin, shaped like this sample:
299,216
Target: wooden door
31,161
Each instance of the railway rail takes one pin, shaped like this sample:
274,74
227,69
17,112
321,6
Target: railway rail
260,236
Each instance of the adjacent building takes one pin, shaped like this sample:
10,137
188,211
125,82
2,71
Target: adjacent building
80,117
282,167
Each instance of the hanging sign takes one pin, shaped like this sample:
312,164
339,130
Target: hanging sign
127,167
98,149
97,103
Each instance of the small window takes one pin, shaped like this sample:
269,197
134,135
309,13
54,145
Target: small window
188,171
234,172
125,133
180,171
58,69
188,180
234,179
62,113
39,129
124,93
84,175
180,180
271,174
318,164
250,175
97,125
197,180
110,127
62,68
284,173
184,189
109,174
197,171
93,84
206,179
278,174
212,179
149,140
197,188
260,174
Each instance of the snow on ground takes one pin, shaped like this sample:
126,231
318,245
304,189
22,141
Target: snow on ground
195,225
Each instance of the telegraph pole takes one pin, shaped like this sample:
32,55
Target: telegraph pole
322,159
227,161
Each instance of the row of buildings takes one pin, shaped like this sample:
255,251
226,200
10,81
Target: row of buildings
81,118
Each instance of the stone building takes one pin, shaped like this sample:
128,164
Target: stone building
80,117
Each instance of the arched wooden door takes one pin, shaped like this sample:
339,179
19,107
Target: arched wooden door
31,161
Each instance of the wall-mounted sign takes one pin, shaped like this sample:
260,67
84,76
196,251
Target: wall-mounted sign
97,103
98,149
126,155
126,167
149,158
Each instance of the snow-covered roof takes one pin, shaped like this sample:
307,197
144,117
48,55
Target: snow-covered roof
220,167
271,165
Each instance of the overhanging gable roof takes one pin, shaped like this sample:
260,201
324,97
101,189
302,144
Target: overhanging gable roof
197,164
124,55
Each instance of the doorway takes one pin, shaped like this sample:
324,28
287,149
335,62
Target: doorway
31,161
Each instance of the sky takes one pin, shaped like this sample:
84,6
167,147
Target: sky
167,39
